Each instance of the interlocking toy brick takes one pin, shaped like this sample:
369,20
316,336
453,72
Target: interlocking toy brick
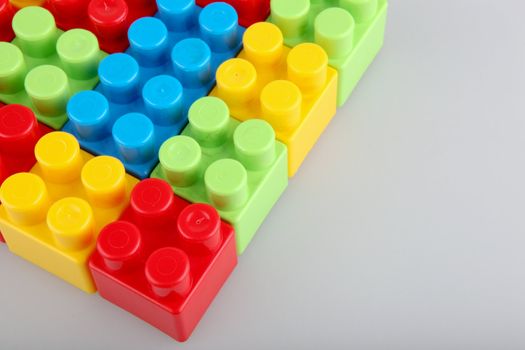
294,90
43,66
164,260
250,11
7,11
51,216
238,168
351,32
143,96
109,20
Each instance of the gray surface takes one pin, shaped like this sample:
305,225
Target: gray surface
403,230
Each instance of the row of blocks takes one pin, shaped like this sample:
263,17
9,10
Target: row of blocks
179,130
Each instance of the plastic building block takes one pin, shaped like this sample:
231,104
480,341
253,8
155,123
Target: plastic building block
25,3
51,216
164,260
108,20
351,32
7,11
238,168
294,90
43,66
250,11
144,95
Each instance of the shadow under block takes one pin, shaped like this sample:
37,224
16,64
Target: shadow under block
7,11
41,71
250,11
51,216
350,31
144,95
165,260
236,167
294,90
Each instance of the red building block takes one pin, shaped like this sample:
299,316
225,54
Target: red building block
108,19
164,260
7,11
250,11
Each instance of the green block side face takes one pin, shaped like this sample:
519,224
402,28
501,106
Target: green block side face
239,168
43,66
350,31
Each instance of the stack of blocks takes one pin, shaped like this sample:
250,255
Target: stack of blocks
143,143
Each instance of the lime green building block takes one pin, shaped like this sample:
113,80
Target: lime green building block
43,66
239,168
351,32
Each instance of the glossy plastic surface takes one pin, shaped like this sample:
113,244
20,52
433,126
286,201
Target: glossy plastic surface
294,90
351,32
144,95
164,260
250,11
52,215
43,66
239,168
7,11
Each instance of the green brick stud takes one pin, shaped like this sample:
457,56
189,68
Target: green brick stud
334,31
35,31
291,16
180,157
254,142
361,10
208,121
47,86
79,53
12,68
226,182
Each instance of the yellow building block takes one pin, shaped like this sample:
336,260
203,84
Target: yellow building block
25,3
293,89
52,215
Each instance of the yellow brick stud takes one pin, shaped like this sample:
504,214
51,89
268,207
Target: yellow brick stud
236,82
25,3
281,104
104,179
263,44
308,68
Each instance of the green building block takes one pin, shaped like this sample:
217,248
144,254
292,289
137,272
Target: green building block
43,66
239,168
351,32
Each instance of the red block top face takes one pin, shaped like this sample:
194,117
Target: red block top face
249,11
19,133
162,246
7,12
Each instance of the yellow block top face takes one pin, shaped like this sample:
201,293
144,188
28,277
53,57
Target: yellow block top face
62,204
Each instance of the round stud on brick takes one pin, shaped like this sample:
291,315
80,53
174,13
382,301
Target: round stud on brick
12,68
263,43
48,88
162,97
168,271
119,244
19,130
254,142
290,16
179,16
308,67
218,23
35,31
200,225
59,158
208,121
25,198
191,59
281,104
361,10
88,112
334,31
236,81
109,18
68,13
148,39
71,222
152,203
119,77
226,183
79,53
180,157
134,135
104,179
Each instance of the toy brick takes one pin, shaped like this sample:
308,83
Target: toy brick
7,11
51,215
144,95
250,11
43,66
108,20
238,168
294,90
165,260
351,32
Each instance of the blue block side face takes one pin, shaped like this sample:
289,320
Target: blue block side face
144,94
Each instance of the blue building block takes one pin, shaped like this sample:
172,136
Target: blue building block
144,94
